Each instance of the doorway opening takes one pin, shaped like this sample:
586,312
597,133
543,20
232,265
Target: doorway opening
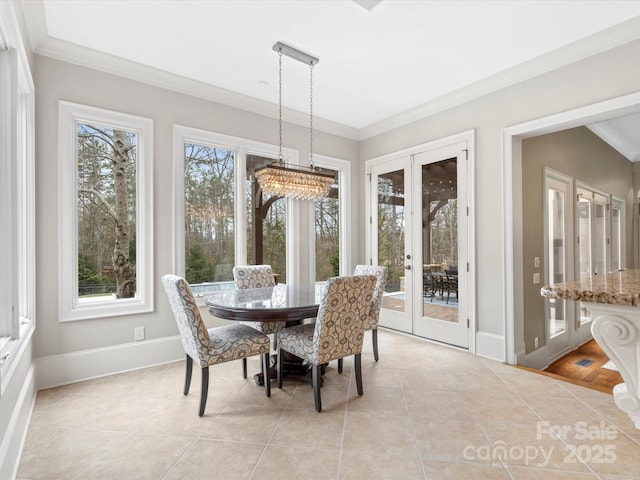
520,347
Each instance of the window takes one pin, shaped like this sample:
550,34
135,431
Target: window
220,217
209,216
17,196
327,229
330,227
105,244
267,221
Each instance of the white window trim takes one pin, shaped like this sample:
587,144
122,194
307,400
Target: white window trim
70,308
343,167
242,147
17,205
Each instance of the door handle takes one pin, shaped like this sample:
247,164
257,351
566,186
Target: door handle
407,267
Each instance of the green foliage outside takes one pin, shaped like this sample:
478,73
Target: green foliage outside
87,273
198,268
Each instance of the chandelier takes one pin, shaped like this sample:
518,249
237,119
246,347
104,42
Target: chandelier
280,179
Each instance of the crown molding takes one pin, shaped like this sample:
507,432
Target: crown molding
611,136
42,44
86,57
607,39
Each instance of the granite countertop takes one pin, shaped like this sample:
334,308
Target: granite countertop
618,288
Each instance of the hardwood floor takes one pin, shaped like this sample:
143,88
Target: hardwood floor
591,375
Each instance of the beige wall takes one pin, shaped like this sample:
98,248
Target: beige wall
595,79
604,76
56,80
580,154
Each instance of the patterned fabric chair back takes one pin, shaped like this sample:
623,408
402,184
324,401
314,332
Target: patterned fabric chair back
253,276
340,324
376,303
193,331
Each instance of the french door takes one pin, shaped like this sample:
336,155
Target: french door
419,231
584,234
593,247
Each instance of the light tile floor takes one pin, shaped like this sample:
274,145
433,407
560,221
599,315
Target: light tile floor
427,412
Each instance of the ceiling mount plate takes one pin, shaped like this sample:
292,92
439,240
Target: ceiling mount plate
295,53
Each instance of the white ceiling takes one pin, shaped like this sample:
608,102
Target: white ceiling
382,63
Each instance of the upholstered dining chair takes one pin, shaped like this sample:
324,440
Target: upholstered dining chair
210,346
337,332
257,276
376,303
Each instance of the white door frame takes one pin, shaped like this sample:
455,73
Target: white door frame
469,137
512,200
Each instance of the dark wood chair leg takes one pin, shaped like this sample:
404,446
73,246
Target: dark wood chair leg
244,368
315,376
340,365
374,337
187,378
267,380
205,390
279,367
358,368
323,368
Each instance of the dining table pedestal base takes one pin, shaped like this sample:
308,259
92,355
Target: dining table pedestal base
294,368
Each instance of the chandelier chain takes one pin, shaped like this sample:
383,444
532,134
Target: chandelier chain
280,156
311,114
277,179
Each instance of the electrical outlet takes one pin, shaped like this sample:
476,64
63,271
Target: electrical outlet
138,334
535,342
536,262
536,278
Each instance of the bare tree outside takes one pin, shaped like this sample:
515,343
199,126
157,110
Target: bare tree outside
209,213
106,211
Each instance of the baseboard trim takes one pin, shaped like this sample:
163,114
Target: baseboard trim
537,359
13,439
490,345
62,369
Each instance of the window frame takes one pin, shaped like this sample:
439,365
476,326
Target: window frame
242,147
70,308
17,198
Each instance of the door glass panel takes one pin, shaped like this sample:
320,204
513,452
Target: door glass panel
391,236
440,240
584,237
600,238
616,239
556,246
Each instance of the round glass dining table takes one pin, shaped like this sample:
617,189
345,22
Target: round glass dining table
288,303
272,304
